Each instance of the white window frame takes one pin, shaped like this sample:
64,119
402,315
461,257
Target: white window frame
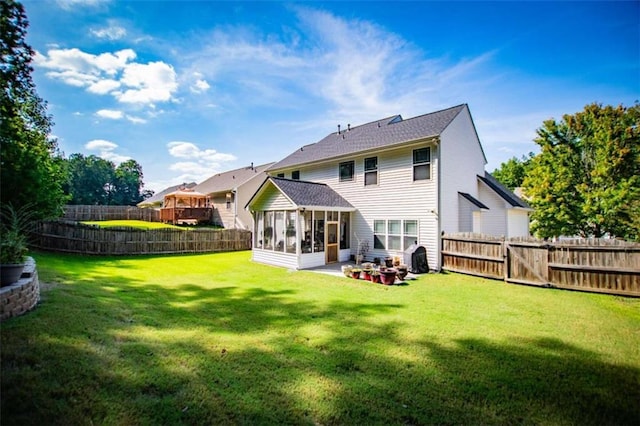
421,164
383,237
353,171
372,171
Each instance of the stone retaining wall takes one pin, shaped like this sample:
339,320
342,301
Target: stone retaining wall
21,296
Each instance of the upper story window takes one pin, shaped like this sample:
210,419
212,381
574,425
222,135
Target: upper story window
228,201
295,174
422,164
371,171
280,175
346,171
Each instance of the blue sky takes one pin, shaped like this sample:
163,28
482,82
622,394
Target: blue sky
190,89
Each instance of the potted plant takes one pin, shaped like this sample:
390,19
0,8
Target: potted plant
13,244
375,276
403,270
366,273
388,276
388,262
355,273
346,270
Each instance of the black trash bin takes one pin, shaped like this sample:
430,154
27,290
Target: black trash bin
415,257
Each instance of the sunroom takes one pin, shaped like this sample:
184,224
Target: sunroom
300,224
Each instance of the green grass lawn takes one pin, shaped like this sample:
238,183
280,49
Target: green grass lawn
140,224
217,339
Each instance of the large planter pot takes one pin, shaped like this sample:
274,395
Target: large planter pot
346,270
388,276
10,273
366,274
403,270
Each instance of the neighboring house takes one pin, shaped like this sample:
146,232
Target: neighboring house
156,200
387,185
228,193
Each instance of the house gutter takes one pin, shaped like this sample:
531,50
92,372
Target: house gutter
435,139
235,207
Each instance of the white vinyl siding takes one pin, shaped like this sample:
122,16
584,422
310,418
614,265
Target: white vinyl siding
273,200
494,221
462,161
517,223
465,215
396,196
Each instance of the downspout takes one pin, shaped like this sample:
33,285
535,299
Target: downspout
235,208
439,209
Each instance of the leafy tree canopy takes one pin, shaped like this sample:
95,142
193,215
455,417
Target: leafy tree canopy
586,179
511,173
31,171
93,180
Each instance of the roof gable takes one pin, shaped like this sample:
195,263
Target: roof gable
502,191
304,194
158,197
226,181
382,133
477,203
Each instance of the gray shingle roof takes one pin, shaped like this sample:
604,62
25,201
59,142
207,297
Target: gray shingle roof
304,193
226,181
473,200
158,197
502,191
377,134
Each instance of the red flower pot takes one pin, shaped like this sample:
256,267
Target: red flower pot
388,276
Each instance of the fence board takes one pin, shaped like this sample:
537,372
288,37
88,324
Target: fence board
594,265
90,212
86,239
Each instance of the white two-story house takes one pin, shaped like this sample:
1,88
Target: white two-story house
385,186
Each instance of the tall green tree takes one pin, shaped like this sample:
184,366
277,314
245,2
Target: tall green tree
94,180
128,183
512,172
31,170
586,179
90,179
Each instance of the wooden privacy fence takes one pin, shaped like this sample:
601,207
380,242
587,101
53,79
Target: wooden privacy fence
594,265
88,239
89,212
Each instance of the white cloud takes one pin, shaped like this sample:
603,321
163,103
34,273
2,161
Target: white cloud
103,87
109,113
112,32
111,73
191,168
106,150
136,120
152,82
356,69
118,115
199,164
191,151
74,4
200,86
100,145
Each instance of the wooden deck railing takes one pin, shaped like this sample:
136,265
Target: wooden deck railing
177,215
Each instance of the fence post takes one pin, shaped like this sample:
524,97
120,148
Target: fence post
507,263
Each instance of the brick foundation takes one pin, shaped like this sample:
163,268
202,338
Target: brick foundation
21,296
